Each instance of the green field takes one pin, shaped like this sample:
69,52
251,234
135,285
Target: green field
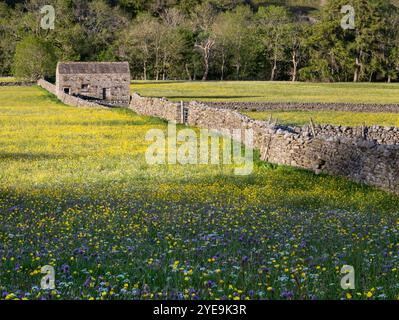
300,118
77,193
258,91
7,79
286,92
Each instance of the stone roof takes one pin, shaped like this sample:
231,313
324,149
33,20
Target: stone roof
93,67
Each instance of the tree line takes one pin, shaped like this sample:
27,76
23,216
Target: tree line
204,40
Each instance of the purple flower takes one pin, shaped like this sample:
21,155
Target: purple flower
87,282
65,268
387,268
287,295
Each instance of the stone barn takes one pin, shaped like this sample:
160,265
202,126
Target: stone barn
107,81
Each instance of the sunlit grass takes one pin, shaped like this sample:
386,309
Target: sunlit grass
77,193
256,91
300,118
7,79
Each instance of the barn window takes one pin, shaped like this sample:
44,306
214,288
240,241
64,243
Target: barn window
67,90
85,87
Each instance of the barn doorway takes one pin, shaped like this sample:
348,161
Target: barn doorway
106,94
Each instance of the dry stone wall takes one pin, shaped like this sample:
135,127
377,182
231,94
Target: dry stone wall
17,84
378,134
66,98
47,86
289,106
355,153
160,108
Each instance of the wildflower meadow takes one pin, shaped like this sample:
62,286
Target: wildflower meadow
77,194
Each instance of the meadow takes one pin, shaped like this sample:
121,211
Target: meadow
260,91
246,91
76,193
338,118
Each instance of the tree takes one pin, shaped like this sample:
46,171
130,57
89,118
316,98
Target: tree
346,54
203,19
224,39
157,44
6,43
205,44
137,44
98,27
233,35
34,58
389,48
295,44
172,41
272,24
191,59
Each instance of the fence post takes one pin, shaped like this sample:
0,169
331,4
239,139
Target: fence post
181,112
364,130
313,128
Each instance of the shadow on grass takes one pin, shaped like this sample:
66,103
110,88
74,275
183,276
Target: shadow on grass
270,188
50,97
277,187
108,123
138,82
211,97
26,156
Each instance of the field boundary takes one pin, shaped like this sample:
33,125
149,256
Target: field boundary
368,155
16,83
66,98
354,153
306,106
